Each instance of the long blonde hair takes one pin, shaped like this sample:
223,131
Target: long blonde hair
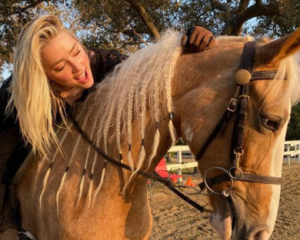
32,94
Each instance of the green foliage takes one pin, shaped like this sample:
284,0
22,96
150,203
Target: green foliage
13,15
125,25
279,25
293,132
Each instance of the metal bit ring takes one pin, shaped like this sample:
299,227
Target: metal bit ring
239,171
224,193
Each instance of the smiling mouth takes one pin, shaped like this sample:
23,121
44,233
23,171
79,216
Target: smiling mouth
82,77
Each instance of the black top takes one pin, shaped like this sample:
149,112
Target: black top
13,149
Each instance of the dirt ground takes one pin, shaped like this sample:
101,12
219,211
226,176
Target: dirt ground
175,219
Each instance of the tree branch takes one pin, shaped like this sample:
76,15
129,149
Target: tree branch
258,3
243,6
215,4
139,36
137,6
234,26
131,33
32,4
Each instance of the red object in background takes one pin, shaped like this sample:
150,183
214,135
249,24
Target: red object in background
189,182
161,169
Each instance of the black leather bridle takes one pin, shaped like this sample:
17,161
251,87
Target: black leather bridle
238,104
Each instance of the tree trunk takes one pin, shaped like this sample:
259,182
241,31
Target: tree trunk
137,6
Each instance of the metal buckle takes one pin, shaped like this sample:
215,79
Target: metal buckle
238,154
232,105
235,173
244,96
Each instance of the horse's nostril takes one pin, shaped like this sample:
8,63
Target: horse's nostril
261,235
256,233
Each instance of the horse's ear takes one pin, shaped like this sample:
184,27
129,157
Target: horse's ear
275,51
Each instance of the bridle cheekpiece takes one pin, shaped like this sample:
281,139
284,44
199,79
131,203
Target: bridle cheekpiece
239,104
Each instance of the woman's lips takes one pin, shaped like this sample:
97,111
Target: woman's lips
84,77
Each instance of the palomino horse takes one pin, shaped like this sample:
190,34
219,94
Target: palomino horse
79,195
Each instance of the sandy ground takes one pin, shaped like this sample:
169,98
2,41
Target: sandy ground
175,219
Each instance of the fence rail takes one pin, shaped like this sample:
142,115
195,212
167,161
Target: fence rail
291,152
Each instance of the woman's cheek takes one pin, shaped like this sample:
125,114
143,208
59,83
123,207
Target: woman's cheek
63,79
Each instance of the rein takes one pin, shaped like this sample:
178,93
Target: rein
154,176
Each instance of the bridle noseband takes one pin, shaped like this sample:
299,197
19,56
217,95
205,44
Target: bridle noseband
239,104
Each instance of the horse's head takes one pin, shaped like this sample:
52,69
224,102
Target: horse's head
249,212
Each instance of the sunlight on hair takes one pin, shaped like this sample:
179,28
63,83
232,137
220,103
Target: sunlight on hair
83,176
139,84
46,177
31,88
98,189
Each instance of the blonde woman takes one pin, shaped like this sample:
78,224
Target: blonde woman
52,71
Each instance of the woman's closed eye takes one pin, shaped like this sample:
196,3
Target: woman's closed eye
77,53
59,68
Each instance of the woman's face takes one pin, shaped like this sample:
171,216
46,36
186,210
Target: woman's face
66,62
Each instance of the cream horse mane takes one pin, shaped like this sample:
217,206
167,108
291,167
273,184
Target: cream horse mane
140,84
134,86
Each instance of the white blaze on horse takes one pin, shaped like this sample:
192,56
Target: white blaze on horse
80,195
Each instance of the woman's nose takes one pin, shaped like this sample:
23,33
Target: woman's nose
76,66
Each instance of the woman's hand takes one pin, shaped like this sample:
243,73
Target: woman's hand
197,39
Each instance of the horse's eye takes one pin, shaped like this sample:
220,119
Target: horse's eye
270,123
